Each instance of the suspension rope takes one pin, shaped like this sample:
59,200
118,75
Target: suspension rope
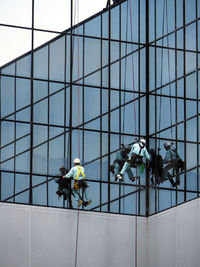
136,211
124,96
161,74
165,13
78,103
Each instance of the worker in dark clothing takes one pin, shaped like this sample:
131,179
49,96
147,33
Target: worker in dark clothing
120,158
174,162
64,186
156,165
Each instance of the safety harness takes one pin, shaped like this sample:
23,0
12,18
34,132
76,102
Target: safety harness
79,183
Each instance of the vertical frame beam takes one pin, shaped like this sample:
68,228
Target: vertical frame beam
147,102
109,99
31,117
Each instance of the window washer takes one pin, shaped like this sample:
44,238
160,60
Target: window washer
77,173
138,151
156,165
120,158
64,186
172,161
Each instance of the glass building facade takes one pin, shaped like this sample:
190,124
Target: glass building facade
128,72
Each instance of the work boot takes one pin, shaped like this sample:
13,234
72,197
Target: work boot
112,168
58,193
133,179
80,202
119,176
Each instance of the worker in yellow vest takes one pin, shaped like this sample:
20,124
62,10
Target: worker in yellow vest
77,173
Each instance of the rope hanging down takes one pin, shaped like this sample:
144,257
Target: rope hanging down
135,132
78,103
165,13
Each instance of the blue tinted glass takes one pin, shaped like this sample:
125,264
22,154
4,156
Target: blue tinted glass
22,129
77,144
40,112
160,12
40,194
191,157
151,20
190,9
24,66
23,144
92,103
115,23
190,62
77,105
152,69
8,165
164,200
77,58
7,96
23,162
180,110
179,12
105,25
171,15
152,114
7,152
142,70
40,90
56,108
7,132
191,130
91,146
115,75
180,64
191,90
180,88
57,59
93,27
133,21
142,21
94,194
129,199
23,93
143,116
39,134
7,185
93,79
23,115
93,170
191,108
191,181
124,20
180,39
92,55
191,37
41,63
22,183
56,154
9,70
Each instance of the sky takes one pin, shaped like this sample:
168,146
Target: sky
49,15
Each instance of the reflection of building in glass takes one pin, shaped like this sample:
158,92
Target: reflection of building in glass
113,78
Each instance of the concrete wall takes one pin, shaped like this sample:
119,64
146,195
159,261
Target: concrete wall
174,237
38,236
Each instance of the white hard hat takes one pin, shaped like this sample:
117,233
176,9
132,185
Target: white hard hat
167,144
143,141
77,161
